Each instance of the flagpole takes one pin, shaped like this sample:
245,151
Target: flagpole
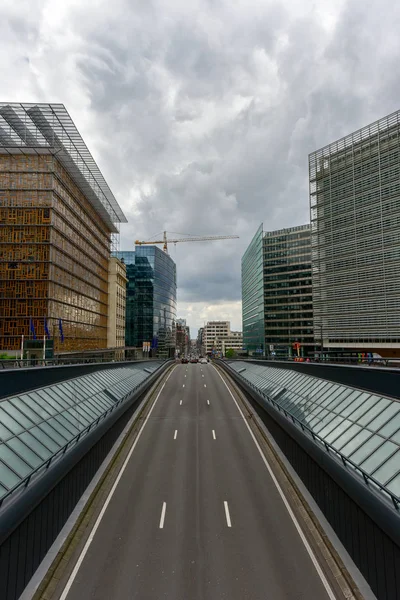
22,347
44,347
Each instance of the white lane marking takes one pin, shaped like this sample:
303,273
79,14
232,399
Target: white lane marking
208,402
282,495
185,375
183,385
180,402
227,515
205,385
175,434
108,500
213,432
202,375
162,519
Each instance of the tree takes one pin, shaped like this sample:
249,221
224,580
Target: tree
229,353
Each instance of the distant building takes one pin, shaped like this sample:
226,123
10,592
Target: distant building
234,341
355,236
215,333
277,293
182,337
151,300
117,281
57,215
200,343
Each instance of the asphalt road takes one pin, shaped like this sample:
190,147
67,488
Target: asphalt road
196,515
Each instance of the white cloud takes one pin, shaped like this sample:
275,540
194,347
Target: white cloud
201,115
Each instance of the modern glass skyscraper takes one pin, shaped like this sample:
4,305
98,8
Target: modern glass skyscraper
355,233
288,291
277,293
253,296
151,299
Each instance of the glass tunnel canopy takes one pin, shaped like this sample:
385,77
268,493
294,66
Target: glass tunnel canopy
361,426
35,426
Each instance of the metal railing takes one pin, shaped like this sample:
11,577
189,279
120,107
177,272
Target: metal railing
368,479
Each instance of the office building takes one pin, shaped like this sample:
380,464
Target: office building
277,293
233,341
151,300
200,342
288,310
253,296
117,281
58,216
355,236
216,332
182,337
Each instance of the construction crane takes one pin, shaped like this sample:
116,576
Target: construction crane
204,238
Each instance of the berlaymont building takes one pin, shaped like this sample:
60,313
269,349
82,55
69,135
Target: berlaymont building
355,239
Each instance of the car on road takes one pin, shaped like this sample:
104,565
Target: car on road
194,360
203,361
184,361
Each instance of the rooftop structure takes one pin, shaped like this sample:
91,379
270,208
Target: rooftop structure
48,129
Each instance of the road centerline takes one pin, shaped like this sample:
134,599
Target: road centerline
214,436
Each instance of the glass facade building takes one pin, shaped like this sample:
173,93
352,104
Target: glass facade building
253,296
277,293
288,291
151,299
355,236
57,217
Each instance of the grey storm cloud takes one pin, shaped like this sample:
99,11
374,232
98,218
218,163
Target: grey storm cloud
201,115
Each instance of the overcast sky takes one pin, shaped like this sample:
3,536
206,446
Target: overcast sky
201,113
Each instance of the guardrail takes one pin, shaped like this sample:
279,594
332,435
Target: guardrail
368,479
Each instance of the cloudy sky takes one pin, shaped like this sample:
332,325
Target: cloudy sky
201,113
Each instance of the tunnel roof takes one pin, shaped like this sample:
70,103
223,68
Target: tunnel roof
359,426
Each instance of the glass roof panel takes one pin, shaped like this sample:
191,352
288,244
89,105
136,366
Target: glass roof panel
24,408
354,443
388,469
36,446
7,477
394,485
380,455
391,427
383,417
366,449
9,422
15,413
10,458
27,453
374,411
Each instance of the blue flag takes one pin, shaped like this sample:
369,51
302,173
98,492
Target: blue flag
60,327
32,328
46,329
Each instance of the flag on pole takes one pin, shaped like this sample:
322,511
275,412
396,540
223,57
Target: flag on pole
46,329
60,327
32,328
